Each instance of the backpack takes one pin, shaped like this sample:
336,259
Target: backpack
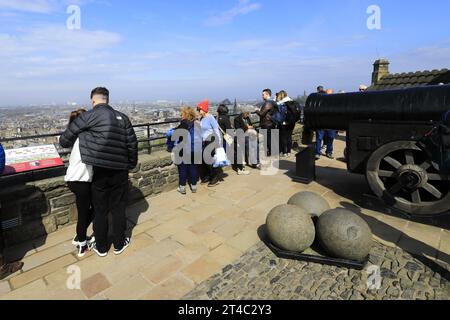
279,116
169,143
293,112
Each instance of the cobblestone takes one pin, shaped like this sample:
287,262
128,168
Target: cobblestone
403,277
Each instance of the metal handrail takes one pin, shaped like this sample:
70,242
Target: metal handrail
147,140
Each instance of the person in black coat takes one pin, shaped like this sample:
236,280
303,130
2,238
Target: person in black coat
224,121
108,143
242,123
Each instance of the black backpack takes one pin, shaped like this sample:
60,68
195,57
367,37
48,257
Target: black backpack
293,112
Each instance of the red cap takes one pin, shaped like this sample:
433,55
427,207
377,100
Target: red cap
204,105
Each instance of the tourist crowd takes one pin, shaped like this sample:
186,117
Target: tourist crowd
105,147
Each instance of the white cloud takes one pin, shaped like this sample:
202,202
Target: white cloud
38,6
242,8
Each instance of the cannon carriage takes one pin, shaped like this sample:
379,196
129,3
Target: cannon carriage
383,130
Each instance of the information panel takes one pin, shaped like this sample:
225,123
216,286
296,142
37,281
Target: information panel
31,158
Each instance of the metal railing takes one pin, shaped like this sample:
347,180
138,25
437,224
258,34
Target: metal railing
145,144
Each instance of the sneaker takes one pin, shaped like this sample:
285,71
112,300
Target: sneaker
91,241
317,157
205,180
100,254
257,166
82,249
75,241
243,172
194,188
125,245
214,182
330,156
182,190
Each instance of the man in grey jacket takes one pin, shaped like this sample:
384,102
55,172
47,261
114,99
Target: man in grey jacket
108,143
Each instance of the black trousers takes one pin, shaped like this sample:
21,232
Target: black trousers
82,191
286,138
207,170
268,142
239,155
109,194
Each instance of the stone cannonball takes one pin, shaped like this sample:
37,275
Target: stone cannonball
290,228
343,234
311,202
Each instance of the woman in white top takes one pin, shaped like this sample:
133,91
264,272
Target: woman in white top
79,178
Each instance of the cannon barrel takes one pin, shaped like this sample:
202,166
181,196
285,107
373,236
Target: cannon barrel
337,111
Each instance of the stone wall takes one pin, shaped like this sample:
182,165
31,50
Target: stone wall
35,209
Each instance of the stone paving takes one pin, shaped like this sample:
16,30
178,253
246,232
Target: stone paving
259,274
181,242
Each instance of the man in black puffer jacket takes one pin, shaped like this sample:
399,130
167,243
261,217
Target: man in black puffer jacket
108,143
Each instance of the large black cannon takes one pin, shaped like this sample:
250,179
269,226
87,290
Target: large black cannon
383,130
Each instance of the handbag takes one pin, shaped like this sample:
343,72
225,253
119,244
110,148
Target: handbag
228,139
220,158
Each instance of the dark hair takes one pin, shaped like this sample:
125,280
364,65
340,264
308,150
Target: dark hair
101,91
320,89
268,91
223,109
75,114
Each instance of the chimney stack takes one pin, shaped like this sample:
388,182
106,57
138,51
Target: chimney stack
380,70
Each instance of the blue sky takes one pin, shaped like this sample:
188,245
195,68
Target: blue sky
190,50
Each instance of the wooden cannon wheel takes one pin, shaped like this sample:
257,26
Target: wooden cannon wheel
402,175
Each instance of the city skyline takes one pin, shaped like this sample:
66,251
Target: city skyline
154,50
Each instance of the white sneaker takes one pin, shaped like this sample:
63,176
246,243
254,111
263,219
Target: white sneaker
182,190
82,249
100,254
243,172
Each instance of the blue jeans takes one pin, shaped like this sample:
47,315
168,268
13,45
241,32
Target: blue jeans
320,135
188,171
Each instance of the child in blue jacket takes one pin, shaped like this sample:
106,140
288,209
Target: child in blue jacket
2,159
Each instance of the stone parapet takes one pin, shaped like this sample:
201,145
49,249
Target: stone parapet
34,209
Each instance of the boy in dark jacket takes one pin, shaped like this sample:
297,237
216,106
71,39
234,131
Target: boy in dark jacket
265,114
6,269
108,143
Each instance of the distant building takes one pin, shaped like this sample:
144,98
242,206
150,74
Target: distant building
382,79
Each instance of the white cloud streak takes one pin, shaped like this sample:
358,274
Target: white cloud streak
242,8
38,6
35,6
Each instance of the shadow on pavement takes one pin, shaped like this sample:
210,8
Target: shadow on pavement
421,251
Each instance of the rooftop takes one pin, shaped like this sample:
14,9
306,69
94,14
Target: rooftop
412,79
187,246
